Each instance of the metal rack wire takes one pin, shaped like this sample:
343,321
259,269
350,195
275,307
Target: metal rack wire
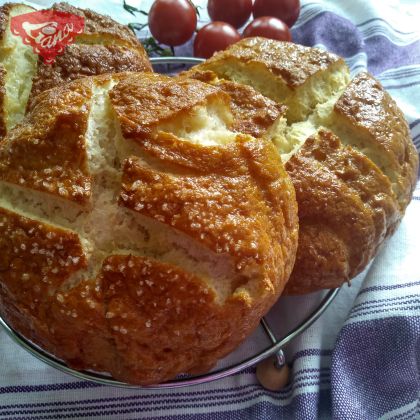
275,347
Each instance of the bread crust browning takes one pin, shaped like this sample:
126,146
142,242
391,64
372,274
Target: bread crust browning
36,259
102,27
301,63
78,329
253,113
338,237
322,243
3,129
105,46
242,186
82,60
223,210
144,103
375,173
112,313
326,202
48,153
371,110
170,315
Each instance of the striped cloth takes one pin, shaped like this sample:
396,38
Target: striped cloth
361,359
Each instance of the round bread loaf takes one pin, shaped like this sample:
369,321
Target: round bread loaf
105,46
345,144
140,235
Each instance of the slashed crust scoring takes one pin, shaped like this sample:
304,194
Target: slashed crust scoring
81,60
101,28
291,63
374,116
48,153
280,71
346,210
353,186
104,47
35,258
138,314
216,186
253,113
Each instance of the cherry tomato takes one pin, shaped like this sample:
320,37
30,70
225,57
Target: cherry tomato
285,10
172,22
214,37
235,12
268,27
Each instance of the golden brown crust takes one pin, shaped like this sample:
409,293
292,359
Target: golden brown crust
328,204
143,320
253,113
78,328
143,103
101,27
48,152
233,188
361,175
104,47
346,210
301,63
378,182
234,201
215,208
36,259
163,319
372,111
4,18
86,60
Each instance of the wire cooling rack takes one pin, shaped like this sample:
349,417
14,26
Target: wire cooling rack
275,347
229,365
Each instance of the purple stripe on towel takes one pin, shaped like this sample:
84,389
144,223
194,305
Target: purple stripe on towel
263,409
380,301
177,396
73,385
140,397
116,412
385,306
311,352
337,33
48,387
384,55
390,287
414,123
379,361
401,86
384,311
383,23
163,403
341,36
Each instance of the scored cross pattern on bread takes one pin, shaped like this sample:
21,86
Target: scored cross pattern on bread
104,47
345,144
153,247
